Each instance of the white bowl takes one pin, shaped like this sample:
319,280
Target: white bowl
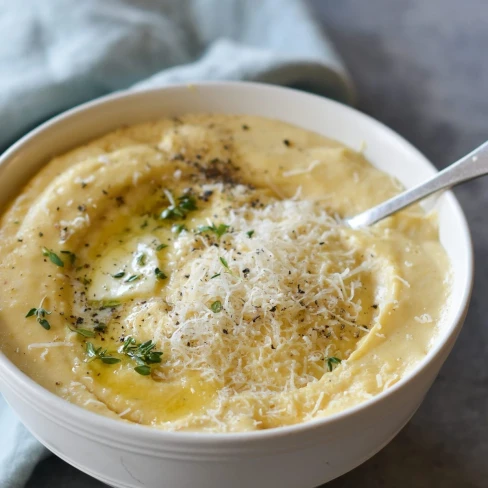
300,456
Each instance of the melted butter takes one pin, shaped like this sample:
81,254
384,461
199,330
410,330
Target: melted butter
126,270
129,244
159,399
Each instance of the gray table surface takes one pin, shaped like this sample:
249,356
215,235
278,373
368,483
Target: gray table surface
419,66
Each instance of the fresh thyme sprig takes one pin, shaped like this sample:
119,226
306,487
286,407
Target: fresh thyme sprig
40,313
55,259
180,208
100,353
143,354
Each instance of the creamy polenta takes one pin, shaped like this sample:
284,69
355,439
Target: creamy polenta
194,274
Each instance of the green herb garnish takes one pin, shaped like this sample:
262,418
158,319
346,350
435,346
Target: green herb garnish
53,257
179,209
187,202
40,313
250,233
118,275
71,255
332,362
219,230
108,304
159,274
132,278
99,353
82,332
143,370
177,228
141,259
215,276
100,327
161,247
216,306
144,224
225,264
143,354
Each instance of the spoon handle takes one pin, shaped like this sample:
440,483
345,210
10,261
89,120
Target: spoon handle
471,166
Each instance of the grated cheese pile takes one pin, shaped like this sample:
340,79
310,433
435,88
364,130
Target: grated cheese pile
289,281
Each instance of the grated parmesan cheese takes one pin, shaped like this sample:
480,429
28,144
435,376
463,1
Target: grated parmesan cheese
125,412
42,345
424,319
291,296
301,171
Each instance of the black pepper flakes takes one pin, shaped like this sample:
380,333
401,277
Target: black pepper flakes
120,200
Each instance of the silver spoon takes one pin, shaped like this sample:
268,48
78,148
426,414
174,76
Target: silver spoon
471,166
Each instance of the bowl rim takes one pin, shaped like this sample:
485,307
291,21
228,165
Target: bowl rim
87,420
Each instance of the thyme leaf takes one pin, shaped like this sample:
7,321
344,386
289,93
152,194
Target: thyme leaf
141,259
82,332
216,306
71,256
53,257
40,314
220,230
160,275
101,354
332,362
132,278
178,228
108,304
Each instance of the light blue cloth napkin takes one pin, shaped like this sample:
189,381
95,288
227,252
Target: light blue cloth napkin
55,54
